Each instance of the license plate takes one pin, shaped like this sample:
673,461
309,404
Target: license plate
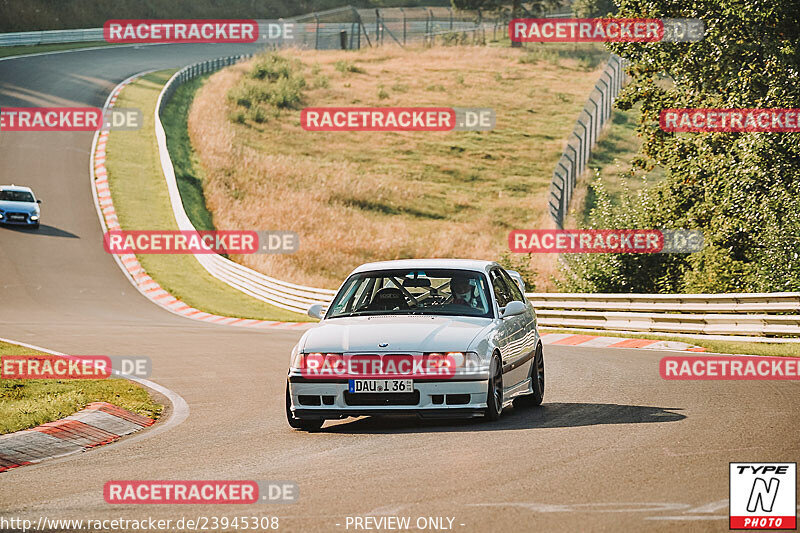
381,385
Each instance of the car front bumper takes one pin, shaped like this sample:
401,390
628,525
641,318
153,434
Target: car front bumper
16,220
330,399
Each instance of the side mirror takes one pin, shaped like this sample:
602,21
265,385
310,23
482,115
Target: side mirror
315,311
39,201
513,309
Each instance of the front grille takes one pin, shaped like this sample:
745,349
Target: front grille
382,398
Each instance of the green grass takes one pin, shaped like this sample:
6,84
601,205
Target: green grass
188,173
141,201
8,51
27,403
589,55
724,347
611,161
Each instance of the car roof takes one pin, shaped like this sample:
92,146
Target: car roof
15,188
459,264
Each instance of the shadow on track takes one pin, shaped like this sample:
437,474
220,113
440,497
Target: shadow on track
549,415
44,229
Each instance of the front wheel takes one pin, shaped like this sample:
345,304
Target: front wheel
306,424
537,382
494,394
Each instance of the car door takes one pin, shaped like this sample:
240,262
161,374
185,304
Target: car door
525,326
509,329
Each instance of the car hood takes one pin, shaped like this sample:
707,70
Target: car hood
19,207
404,334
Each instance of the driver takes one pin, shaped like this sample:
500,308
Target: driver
461,290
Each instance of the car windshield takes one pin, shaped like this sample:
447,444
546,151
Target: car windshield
413,292
16,196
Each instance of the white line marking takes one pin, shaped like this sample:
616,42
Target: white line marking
710,507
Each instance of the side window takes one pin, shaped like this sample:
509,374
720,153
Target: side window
363,294
516,294
501,290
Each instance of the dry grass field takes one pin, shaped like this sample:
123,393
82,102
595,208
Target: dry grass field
362,196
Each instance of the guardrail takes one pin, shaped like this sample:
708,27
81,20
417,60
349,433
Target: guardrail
342,27
51,37
720,314
584,136
273,291
709,314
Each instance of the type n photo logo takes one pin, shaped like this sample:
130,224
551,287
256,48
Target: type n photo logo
763,496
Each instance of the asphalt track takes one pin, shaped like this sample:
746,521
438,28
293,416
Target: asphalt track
614,447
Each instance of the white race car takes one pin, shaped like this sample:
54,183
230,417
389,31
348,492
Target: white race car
438,338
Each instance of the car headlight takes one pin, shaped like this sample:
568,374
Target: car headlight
1,214
464,362
34,217
314,360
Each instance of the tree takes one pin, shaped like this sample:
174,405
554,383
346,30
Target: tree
594,8
741,189
479,6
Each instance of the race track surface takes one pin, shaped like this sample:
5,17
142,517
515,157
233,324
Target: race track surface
614,447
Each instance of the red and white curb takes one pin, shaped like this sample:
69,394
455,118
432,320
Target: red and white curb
594,341
97,424
128,262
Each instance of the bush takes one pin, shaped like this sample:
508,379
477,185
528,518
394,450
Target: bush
321,81
272,84
625,273
344,67
272,67
522,264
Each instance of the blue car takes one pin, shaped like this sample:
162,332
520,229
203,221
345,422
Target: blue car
19,206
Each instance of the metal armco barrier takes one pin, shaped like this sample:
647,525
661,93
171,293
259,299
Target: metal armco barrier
583,139
710,314
273,291
27,38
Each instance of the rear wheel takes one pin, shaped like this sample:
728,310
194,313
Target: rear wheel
306,424
494,394
537,382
